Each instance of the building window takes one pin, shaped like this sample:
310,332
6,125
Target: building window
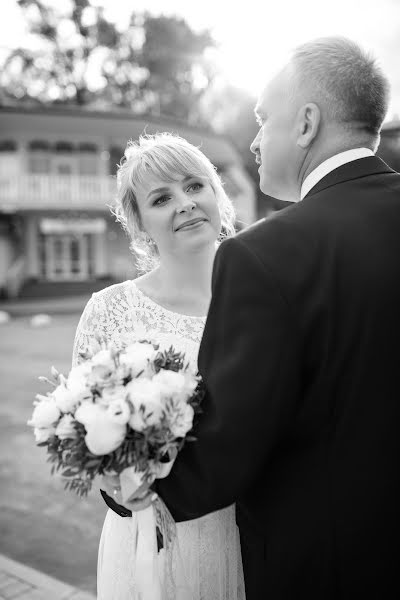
88,159
9,158
87,148
64,147
39,157
39,146
39,164
8,146
64,160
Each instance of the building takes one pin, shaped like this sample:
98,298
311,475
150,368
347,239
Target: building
57,178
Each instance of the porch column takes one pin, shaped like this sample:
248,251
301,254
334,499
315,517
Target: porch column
99,254
32,247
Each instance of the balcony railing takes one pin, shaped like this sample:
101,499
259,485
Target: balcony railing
27,192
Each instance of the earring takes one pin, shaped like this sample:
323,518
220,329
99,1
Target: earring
149,240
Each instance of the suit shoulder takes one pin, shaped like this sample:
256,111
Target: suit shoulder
271,228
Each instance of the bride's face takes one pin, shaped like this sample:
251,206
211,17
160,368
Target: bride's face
179,216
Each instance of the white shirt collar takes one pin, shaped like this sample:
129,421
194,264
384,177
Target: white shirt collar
331,164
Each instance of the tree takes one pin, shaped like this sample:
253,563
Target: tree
173,55
77,57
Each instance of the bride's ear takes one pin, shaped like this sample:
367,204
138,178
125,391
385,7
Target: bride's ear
308,121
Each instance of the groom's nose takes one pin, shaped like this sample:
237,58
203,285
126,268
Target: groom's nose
255,144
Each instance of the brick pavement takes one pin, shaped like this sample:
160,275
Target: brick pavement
19,582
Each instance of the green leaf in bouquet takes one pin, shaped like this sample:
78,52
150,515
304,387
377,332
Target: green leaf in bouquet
95,462
70,473
169,360
55,373
47,380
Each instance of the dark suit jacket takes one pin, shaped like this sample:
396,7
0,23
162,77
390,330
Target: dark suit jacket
301,423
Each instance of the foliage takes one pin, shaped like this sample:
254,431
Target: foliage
78,57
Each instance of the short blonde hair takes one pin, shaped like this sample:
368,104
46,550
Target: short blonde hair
347,79
165,156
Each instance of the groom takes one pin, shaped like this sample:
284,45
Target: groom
301,350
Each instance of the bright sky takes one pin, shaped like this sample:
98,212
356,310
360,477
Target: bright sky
255,36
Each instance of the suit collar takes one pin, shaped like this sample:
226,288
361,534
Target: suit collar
362,167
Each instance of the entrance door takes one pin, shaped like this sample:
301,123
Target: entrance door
66,257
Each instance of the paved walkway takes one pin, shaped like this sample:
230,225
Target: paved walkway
51,306
19,582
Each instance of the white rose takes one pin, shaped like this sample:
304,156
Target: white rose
45,414
180,418
103,436
64,399
136,358
78,381
137,420
42,434
65,429
118,411
148,408
146,416
103,368
173,384
110,394
103,358
169,382
191,382
87,413
142,391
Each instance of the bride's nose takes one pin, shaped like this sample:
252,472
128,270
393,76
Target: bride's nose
185,204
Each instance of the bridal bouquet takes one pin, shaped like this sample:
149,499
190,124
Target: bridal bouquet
127,412
123,411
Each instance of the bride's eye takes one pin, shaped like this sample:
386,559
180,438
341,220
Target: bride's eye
160,200
195,187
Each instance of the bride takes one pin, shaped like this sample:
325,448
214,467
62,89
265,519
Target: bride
171,202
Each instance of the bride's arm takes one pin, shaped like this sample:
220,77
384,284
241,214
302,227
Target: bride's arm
249,361
91,328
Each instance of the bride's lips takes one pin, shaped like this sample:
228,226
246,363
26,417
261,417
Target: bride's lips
190,224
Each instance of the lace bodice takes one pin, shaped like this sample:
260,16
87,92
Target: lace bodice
122,313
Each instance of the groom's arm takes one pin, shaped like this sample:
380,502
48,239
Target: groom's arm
249,362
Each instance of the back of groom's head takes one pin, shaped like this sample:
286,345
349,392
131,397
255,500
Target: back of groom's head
345,80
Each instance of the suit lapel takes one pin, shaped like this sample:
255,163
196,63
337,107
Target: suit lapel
362,167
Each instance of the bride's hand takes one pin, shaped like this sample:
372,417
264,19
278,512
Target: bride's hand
112,486
142,499
141,502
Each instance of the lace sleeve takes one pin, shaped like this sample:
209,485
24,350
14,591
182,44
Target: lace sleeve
91,327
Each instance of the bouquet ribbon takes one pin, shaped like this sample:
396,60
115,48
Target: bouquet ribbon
148,578
154,577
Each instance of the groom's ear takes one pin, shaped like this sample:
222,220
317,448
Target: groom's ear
308,121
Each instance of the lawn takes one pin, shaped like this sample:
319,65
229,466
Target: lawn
41,525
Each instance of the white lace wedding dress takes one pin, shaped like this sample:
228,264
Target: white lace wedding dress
209,546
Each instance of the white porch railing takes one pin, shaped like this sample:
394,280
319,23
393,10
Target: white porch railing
27,192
